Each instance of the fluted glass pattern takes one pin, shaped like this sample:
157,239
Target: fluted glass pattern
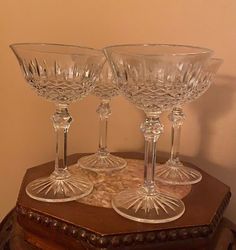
154,78
61,74
173,171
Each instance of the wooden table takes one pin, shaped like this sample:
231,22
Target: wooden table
73,225
12,237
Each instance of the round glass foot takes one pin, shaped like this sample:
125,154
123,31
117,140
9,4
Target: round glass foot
138,205
102,163
177,174
59,189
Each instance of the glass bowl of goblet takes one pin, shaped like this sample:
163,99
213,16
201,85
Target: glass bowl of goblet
154,77
103,160
173,171
61,74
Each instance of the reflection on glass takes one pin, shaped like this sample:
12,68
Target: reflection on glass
61,74
154,78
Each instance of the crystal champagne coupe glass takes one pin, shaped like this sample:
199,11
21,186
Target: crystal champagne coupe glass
154,78
61,74
103,160
173,171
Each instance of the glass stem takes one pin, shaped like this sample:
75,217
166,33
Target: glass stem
151,128
177,118
104,111
61,123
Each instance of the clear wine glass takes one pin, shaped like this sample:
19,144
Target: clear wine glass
103,160
173,171
154,78
61,74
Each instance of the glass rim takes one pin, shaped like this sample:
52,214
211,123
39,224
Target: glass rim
14,45
204,50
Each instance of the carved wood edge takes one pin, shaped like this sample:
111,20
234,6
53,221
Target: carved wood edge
12,235
141,238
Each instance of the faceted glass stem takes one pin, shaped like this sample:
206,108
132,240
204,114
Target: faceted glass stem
61,122
102,160
149,165
147,203
61,185
104,111
151,128
177,118
173,171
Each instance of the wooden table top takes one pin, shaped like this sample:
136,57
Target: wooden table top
204,208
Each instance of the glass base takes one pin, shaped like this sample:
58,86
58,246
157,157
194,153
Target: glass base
138,205
102,163
175,173
55,188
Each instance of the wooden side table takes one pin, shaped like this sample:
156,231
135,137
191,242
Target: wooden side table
78,226
12,237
